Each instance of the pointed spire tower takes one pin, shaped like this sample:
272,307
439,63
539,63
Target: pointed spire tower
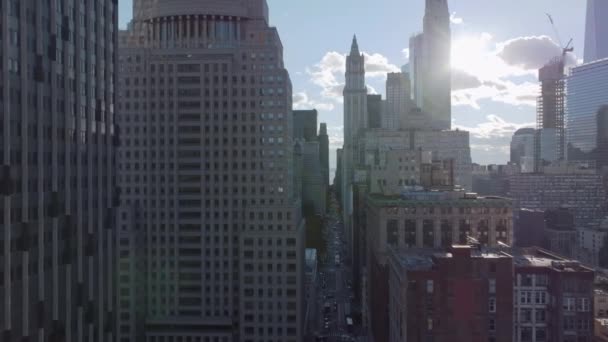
355,68
355,123
355,94
354,48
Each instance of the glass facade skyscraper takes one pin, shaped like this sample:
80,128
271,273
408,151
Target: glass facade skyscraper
596,46
58,195
587,91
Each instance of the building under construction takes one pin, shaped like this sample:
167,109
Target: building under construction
550,111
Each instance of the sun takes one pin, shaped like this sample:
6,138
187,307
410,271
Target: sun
469,52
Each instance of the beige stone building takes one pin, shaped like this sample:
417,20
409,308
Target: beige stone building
211,234
437,219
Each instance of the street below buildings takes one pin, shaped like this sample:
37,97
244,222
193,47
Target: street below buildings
334,286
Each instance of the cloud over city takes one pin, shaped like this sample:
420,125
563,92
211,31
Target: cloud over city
328,73
504,72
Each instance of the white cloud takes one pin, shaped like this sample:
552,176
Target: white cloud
516,94
371,90
336,136
494,127
463,80
376,65
301,100
406,53
328,74
455,19
531,53
488,70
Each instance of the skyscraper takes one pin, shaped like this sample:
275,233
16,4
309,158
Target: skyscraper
416,68
586,93
212,240
398,99
324,151
550,111
522,146
57,191
596,31
602,137
431,65
305,124
355,95
438,44
355,122
375,110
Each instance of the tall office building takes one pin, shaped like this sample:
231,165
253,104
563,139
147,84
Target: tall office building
314,186
602,137
523,148
375,111
583,192
211,241
57,204
438,45
415,67
398,94
431,65
550,109
587,92
522,144
355,96
596,45
355,122
324,151
305,124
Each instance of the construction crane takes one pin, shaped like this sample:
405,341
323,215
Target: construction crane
568,47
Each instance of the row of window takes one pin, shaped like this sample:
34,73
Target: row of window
576,304
450,210
533,297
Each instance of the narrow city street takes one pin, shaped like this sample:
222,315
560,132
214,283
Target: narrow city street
334,287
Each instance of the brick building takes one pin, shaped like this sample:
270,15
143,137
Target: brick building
553,298
464,295
487,294
432,219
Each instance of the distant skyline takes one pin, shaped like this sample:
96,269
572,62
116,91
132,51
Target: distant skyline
495,56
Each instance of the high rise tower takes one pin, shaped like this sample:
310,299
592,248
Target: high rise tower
324,151
437,76
596,43
550,111
355,121
586,93
57,190
212,240
355,91
398,94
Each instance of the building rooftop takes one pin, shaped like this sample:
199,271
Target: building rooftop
448,198
523,131
420,259
537,257
417,259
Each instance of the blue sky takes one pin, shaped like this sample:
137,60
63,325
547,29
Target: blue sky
497,46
